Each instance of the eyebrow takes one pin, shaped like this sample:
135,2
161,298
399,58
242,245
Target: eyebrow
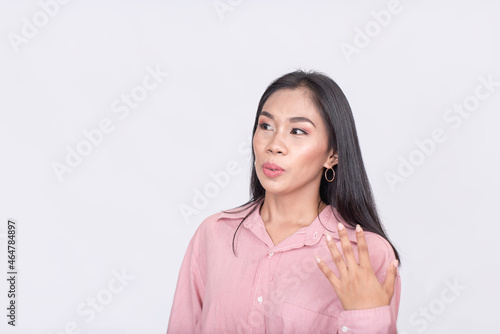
296,119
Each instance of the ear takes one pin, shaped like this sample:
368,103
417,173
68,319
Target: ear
332,159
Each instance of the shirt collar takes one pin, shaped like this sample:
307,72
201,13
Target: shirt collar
312,233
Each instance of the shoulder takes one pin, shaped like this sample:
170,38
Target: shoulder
236,214
380,251
224,218
378,243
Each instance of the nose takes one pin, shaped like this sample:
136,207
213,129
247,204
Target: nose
277,144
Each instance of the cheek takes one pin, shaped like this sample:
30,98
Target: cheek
257,143
310,153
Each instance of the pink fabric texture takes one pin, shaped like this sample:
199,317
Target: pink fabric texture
268,288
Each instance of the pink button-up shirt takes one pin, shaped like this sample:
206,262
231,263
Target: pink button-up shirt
271,288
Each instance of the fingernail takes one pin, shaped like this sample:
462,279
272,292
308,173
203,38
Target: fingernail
328,237
317,259
395,263
340,226
358,228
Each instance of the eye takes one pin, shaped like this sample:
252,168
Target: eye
263,125
300,130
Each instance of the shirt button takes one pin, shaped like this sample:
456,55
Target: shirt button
270,254
345,329
260,299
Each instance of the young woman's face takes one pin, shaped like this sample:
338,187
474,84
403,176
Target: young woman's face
291,134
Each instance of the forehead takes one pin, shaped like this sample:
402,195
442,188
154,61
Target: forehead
291,102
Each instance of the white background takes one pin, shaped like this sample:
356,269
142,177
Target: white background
120,208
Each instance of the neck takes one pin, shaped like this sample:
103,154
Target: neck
290,211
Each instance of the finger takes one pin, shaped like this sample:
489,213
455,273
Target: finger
336,256
390,278
328,273
364,256
346,247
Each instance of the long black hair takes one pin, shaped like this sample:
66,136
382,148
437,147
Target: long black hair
350,191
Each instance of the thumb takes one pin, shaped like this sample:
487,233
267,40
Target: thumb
390,278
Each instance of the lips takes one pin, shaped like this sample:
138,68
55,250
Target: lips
272,166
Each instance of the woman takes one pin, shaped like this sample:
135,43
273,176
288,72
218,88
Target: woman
307,254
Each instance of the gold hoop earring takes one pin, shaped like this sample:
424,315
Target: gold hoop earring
326,177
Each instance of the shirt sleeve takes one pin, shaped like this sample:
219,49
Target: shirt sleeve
378,320
185,315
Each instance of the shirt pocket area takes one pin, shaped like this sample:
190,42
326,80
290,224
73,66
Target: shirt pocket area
297,319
